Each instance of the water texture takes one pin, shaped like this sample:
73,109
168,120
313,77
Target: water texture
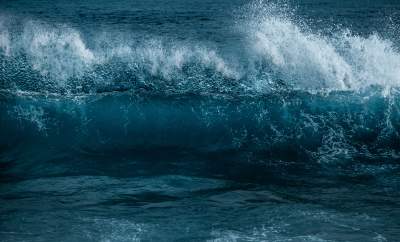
173,120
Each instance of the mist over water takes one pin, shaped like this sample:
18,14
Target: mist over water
203,121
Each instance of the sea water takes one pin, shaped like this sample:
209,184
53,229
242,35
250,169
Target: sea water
175,120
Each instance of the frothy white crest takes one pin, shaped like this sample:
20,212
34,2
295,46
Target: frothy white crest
306,59
168,62
374,60
210,58
160,61
278,48
59,53
311,61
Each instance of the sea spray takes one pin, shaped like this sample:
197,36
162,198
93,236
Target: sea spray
279,51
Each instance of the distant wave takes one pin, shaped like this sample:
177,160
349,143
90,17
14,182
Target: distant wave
279,52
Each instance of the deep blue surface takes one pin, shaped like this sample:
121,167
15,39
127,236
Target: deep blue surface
199,120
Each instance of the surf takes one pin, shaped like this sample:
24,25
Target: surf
278,51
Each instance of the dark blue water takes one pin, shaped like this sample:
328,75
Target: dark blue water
174,120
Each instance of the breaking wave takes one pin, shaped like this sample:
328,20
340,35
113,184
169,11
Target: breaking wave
277,129
279,52
58,59
323,98
307,60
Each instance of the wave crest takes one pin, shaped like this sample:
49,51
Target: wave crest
308,60
60,56
280,52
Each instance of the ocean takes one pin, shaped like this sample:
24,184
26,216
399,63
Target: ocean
199,120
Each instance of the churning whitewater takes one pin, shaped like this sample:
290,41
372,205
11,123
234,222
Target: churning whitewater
277,50
199,120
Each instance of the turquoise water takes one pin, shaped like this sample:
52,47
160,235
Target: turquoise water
199,120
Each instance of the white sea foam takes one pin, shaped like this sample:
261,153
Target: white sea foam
166,61
306,59
374,61
311,61
278,48
56,52
61,53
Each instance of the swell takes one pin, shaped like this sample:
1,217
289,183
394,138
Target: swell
274,136
320,124
278,51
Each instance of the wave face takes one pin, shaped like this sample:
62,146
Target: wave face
262,121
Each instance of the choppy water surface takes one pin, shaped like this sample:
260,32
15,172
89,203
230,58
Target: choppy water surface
199,120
